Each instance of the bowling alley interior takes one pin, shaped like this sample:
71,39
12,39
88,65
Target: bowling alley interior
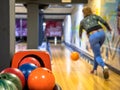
41,47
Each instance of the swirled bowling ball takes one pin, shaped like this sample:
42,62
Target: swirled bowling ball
13,78
27,68
17,72
7,85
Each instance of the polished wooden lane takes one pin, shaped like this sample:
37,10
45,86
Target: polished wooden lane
20,47
75,75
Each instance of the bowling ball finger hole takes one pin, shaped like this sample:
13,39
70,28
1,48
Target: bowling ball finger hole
4,77
49,72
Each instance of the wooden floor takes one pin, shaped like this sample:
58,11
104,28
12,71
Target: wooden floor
75,75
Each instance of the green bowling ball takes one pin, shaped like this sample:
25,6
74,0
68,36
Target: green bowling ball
7,85
13,78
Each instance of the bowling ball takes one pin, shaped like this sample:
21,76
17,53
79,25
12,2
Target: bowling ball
44,77
13,78
30,60
27,68
17,72
7,85
74,55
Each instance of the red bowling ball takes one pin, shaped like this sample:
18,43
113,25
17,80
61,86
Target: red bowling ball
17,72
41,79
30,60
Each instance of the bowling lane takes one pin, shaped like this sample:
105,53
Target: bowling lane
20,47
75,75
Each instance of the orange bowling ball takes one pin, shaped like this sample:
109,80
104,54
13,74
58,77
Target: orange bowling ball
74,55
41,79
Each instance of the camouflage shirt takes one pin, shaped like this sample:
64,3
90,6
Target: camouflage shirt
91,23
